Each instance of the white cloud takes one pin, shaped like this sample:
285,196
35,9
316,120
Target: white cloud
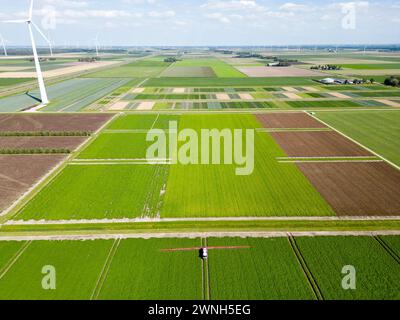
233,5
219,17
289,6
162,14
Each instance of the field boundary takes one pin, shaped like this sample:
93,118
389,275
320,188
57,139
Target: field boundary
196,235
211,219
354,141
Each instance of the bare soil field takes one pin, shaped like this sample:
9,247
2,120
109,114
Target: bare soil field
52,122
19,173
16,143
357,188
260,72
364,72
317,144
289,121
120,105
60,71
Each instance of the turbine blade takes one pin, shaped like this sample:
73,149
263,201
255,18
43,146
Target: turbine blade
14,21
41,33
30,14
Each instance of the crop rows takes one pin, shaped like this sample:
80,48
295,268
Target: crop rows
251,268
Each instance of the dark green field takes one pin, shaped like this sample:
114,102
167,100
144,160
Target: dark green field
169,269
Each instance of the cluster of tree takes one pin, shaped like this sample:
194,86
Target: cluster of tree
246,55
361,81
223,51
326,67
282,64
89,59
35,151
171,59
45,134
392,81
291,61
43,59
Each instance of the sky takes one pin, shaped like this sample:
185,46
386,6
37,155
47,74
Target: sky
205,22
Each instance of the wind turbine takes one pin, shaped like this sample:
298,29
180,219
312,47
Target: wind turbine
4,45
29,22
96,44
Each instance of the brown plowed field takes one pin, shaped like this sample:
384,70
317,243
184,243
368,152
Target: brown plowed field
17,143
50,122
357,189
289,121
317,144
19,173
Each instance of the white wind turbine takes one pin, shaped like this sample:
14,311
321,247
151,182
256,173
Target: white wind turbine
96,43
3,43
29,22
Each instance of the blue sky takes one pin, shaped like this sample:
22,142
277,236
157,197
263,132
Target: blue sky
207,22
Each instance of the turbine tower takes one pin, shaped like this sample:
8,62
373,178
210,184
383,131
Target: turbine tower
29,22
96,43
3,43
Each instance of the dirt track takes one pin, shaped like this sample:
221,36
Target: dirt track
196,235
357,189
19,173
288,121
52,122
317,144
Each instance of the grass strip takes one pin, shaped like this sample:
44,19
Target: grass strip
203,226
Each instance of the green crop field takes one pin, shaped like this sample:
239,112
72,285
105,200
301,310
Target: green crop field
378,130
228,82
13,81
68,96
78,267
100,191
127,72
170,269
380,66
324,104
133,121
142,121
90,90
175,71
266,271
220,192
393,242
378,274
117,146
8,250
354,87
140,270
103,189
379,94
221,69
